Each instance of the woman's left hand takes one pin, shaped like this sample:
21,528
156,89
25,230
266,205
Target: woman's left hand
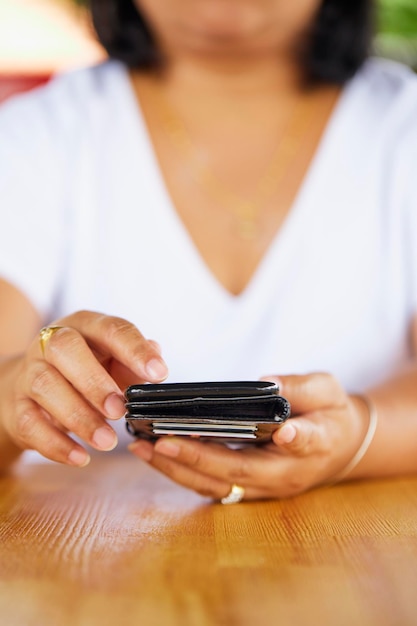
306,451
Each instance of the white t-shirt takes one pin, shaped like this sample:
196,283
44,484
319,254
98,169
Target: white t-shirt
87,223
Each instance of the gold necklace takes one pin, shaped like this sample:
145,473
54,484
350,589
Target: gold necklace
245,211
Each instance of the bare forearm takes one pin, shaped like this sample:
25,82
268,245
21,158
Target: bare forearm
9,452
393,450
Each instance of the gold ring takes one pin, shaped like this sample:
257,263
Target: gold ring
235,495
45,334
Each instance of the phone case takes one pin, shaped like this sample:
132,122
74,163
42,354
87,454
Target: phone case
242,411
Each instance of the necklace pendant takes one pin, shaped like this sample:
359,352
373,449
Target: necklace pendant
247,226
247,229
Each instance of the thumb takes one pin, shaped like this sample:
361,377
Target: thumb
299,436
309,392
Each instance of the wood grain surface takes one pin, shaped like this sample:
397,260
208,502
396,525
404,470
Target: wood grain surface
116,543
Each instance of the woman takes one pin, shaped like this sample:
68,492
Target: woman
237,184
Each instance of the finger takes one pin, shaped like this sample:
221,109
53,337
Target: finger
216,460
123,375
205,485
68,352
312,392
122,340
33,431
64,404
155,345
299,436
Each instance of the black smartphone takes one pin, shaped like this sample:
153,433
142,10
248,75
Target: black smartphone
230,412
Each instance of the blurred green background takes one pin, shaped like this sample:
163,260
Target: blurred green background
397,30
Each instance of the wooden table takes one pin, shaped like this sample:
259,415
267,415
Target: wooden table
117,544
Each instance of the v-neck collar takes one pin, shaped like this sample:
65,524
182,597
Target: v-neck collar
278,253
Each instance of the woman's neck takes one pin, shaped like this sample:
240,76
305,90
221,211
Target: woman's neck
223,78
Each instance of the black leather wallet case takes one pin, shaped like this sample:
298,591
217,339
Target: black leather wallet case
244,411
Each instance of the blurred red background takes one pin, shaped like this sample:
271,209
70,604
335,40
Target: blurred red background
39,38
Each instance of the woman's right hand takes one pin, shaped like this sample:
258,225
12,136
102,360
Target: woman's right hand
75,385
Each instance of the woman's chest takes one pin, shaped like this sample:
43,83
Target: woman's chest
331,292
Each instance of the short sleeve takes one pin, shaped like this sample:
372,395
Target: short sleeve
32,224
411,239
406,165
398,188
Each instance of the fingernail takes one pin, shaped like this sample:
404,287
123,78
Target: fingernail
287,433
142,449
114,406
156,369
167,448
78,457
104,438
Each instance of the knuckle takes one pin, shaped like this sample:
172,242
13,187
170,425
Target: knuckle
119,330
117,327
295,484
194,457
42,380
207,492
57,424
67,338
80,420
207,489
308,448
83,315
310,440
173,472
26,421
93,383
309,385
305,443
331,383
325,446
243,469
138,349
303,448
